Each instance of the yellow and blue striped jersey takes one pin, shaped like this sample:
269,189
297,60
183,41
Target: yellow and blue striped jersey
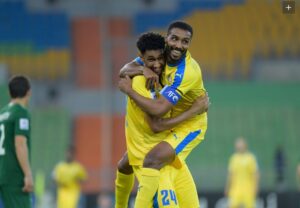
182,85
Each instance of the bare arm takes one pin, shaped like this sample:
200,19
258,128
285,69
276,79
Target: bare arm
157,107
131,69
228,184
161,124
23,158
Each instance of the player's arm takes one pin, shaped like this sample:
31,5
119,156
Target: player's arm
23,158
228,183
131,69
135,68
154,107
161,124
229,176
256,175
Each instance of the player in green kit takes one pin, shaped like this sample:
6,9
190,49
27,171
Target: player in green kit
16,181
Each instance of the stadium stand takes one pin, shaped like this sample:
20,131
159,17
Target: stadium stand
33,43
51,136
230,35
256,112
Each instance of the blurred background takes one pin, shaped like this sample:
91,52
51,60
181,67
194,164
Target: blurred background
249,53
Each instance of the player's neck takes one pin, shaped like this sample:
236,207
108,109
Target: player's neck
20,101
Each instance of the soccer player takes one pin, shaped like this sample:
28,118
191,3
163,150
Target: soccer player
182,80
243,177
140,138
16,181
68,176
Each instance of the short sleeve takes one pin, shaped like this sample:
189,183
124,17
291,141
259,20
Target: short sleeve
139,85
22,123
81,172
254,165
139,61
185,79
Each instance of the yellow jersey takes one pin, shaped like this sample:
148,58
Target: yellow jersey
68,177
182,85
242,168
140,139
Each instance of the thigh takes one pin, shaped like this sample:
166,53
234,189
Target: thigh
166,194
14,197
186,189
184,140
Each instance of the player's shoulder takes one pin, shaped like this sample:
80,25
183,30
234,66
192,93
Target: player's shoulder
60,165
18,109
139,81
251,156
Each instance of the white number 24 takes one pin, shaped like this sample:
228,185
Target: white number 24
2,137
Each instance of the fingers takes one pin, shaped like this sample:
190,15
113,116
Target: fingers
149,84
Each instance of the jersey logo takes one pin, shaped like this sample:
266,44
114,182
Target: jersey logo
24,124
178,75
173,96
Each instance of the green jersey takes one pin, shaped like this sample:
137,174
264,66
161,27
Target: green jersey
14,121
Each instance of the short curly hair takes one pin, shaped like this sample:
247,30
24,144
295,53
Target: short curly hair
181,25
150,41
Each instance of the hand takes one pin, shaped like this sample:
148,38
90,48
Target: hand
125,84
152,79
201,104
28,184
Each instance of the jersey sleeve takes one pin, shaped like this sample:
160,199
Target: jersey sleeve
82,175
139,61
254,165
139,85
22,123
184,81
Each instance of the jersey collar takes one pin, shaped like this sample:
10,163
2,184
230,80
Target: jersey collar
180,60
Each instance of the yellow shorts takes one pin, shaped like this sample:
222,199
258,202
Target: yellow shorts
242,200
184,140
67,198
165,195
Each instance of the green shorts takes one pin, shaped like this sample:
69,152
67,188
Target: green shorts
14,197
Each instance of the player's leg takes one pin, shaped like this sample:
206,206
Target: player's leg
178,144
249,201
184,183
14,197
124,182
166,194
158,157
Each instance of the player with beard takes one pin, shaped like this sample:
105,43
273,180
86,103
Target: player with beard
182,80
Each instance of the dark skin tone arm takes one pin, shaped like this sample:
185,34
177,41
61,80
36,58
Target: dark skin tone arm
133,69
161,124
157,107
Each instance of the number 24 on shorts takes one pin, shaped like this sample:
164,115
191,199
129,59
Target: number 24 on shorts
168,196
